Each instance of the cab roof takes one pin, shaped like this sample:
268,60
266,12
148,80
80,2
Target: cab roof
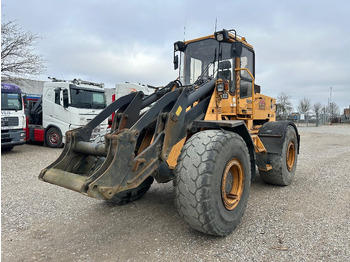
10,88
231,40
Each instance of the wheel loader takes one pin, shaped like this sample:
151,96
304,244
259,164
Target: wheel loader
207,131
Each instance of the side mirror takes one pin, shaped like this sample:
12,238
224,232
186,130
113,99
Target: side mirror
65,98
176,62
236,49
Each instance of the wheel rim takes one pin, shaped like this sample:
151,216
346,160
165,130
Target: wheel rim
232,184
290,156
54,138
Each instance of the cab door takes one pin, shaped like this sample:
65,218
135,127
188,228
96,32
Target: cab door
245,71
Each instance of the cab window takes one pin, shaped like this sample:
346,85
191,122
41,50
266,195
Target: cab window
247,61
57,96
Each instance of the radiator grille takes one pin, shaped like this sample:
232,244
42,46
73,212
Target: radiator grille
9,121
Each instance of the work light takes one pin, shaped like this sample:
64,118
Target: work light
179,46
221,35
220,87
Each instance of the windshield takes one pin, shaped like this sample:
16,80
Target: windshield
200,60
11,101
83,98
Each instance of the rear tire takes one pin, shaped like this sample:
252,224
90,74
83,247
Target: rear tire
284,164
212,181
131,195
53,137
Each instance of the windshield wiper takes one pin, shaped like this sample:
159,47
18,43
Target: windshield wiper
202,78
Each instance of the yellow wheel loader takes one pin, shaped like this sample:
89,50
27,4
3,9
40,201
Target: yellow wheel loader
207,131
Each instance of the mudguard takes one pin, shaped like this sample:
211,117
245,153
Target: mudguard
272,135
237,126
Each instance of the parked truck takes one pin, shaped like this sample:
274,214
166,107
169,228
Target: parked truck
64,105
123,89
12,117
207,131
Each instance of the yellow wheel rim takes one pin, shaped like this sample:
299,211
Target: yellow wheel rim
232,184
290,156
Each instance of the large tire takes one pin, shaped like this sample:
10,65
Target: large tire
131,195
284,164
6,148
53,137
212,181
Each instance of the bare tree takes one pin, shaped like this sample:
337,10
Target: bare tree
304,107
333,110
317,110
18,57
284,105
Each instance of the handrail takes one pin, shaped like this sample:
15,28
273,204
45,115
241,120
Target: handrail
253,91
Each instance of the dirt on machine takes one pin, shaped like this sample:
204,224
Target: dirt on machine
206,131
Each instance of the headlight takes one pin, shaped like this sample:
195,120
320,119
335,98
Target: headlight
220,87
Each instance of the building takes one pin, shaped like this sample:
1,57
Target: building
345,117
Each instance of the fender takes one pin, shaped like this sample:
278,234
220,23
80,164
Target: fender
272,135
236,126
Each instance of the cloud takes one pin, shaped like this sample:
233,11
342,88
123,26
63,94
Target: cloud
87,55
301,48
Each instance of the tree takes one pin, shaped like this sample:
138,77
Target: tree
333,110
304,107
18,57
284,105
317,110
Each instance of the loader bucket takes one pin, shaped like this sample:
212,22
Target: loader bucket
134,149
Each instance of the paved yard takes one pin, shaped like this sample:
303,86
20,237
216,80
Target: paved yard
307,221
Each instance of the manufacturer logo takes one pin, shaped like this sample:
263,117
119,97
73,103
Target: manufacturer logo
262,104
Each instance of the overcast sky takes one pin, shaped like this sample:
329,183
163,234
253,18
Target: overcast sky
302,47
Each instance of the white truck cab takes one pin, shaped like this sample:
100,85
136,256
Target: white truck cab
68,105
123,89
13,121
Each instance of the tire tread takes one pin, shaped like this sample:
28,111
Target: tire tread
197,158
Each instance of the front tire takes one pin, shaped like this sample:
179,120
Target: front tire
212,181
131,195
284,164
6,148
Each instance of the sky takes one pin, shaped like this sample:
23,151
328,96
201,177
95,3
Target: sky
301,47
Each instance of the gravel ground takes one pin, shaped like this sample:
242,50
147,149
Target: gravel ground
306,221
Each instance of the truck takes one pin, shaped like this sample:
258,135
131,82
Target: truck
123,89
64,105
12,117
206,131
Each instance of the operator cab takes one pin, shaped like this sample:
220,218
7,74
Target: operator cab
216,57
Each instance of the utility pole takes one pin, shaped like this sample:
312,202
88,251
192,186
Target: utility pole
330,102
